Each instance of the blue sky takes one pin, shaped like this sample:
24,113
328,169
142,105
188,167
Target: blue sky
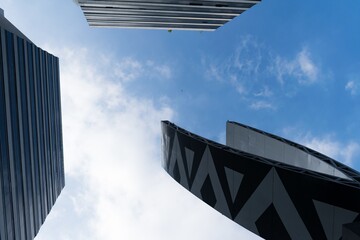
291,68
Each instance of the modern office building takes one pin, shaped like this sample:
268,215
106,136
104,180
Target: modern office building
205,15
273,187
31,151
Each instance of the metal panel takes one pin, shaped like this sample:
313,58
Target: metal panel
274,150
265,145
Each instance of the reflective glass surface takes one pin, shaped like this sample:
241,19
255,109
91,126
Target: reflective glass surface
31,158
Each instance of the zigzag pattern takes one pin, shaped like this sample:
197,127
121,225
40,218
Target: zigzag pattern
271,199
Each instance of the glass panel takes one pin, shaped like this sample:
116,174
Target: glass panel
39,84
27,180
17,168
6,198
35,139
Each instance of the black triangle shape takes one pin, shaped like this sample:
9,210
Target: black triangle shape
198,147
254,172
270,225
207,192
176,172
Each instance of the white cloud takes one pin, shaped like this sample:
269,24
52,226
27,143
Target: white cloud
238,85
344,152
307,66
164,71
243,65
213,72
261,75
264,92
328,145
129,69
258,105
115,186
248,57
302,68
252,61
353,87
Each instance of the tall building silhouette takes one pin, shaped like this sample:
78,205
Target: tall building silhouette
273,187
31,150
205,15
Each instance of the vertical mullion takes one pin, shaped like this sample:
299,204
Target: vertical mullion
34,136
44,131
41,131
57,128
24,135
19,137
47,131
9,74
59,113
30,160
51,127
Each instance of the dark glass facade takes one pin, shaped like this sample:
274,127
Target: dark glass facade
302,195
31,151
205,15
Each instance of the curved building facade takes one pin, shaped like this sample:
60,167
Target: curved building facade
271,186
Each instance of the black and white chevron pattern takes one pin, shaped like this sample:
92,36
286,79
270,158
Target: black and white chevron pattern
269,198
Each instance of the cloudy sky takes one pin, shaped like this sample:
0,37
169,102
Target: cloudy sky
291,68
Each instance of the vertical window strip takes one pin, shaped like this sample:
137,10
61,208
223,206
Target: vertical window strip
30,157
24,133
21,174
47,131
61,149
3,146
57,126
13,135
35,135
51,128
39,113
44,131
57,119
38,158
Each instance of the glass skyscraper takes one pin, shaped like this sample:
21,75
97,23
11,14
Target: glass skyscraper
31,150
205,15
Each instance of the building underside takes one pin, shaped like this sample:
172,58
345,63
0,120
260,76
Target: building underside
205,15
273,187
